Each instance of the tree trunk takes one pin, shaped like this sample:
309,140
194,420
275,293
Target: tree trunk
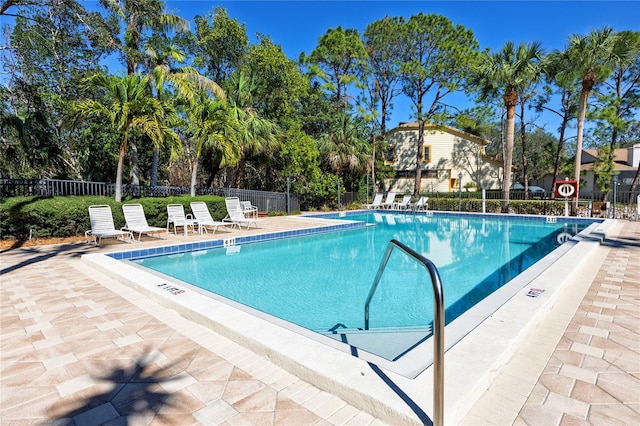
582,110
135,168
508,157
556,165
154,167
416,187
373,162
523,140
194,176
123,149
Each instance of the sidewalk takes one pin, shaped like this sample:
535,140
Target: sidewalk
591,373
77,345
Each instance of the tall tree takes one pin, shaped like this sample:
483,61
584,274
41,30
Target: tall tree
382,42
128,107
561,84
525,98
590,58
140,18
507,73
277,97
335,62
345,149
218,45
169,82
207,119
254,134
54,44
436,59
618,100
280,82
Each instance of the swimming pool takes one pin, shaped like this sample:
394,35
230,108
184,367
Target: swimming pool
478,342
321,282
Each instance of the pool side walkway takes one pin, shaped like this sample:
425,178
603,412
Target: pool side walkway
78,347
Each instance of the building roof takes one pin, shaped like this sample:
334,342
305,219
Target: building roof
413,125
616,165
620,155
620,159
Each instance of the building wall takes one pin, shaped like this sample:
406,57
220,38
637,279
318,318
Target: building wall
633,156
450,155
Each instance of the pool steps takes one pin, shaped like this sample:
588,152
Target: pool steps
388,342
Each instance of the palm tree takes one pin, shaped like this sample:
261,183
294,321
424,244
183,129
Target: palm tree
185,82
207,120
591,58
557,70
622,88
246,128
345,148
127,105
139,16
508,73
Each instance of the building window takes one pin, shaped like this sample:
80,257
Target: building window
391,154
426,153
430,174
453,184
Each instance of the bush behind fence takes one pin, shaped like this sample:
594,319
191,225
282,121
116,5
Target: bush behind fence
266,201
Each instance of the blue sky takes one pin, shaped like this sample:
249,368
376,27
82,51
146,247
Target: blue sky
297,25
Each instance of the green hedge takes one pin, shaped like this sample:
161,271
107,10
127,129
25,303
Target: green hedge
22,218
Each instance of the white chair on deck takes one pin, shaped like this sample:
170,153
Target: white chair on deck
176,217
235,214
421,204
102,226
248,209
388,202
137,221
377,202
404,204
203,216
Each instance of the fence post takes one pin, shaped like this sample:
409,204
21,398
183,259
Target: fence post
288,196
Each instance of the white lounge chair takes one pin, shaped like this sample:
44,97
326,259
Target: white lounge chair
235,214
248,209
404,204
421,204
377,202
137,221
102,225
388,202
203,216
176,217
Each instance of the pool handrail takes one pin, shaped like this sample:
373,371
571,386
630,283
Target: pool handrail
438,322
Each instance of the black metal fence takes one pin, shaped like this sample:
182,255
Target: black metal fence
623,197
266,201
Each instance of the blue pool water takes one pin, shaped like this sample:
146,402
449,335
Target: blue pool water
321,282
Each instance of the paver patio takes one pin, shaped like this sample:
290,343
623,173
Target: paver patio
75,345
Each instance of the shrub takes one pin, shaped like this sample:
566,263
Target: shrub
22,218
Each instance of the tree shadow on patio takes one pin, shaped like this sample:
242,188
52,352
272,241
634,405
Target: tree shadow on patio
39,254
134,396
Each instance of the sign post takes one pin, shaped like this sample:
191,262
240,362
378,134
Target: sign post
566,189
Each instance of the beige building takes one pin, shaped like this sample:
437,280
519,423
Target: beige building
448,155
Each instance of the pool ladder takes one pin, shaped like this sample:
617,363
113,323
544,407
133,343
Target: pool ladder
438,322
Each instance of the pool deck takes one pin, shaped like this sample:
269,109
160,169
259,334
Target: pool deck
78,345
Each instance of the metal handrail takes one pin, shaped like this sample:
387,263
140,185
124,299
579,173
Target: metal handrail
438,322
